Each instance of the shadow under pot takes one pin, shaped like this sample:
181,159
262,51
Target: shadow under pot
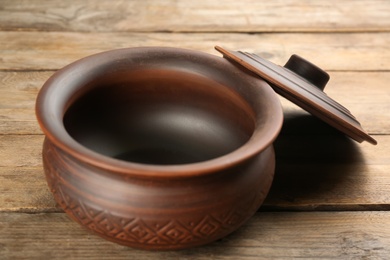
158,148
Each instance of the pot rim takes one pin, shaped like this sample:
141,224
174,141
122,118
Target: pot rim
51,122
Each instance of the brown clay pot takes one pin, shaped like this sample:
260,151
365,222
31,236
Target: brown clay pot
158,148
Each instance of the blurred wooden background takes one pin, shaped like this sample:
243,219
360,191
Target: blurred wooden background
331,196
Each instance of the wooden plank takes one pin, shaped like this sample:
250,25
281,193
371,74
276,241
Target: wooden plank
18,121
196,16
295,187
24,189
281,235
21,150
333,51
370,101
18,91
326,172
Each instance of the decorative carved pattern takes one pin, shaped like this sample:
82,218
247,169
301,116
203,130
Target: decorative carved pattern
137,231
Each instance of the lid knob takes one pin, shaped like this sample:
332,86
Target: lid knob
308,71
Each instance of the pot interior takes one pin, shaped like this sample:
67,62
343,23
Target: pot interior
162,117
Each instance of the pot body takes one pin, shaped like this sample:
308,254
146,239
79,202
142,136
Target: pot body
170,103
158,213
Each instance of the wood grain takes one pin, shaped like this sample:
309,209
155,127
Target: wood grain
339,51
18,91
21,150
197,16
280,235
24,189
331,195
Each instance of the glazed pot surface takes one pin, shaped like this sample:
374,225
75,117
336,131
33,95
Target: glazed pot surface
158,148
160,117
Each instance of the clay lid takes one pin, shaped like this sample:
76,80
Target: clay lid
302,83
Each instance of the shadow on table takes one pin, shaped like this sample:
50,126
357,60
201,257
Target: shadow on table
315,166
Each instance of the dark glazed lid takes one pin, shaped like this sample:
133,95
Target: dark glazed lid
302,83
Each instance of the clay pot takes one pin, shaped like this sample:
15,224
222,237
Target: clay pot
158,148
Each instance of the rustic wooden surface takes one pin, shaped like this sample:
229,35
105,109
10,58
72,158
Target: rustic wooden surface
330,197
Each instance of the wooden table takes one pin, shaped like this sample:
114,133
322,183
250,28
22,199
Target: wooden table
330,197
